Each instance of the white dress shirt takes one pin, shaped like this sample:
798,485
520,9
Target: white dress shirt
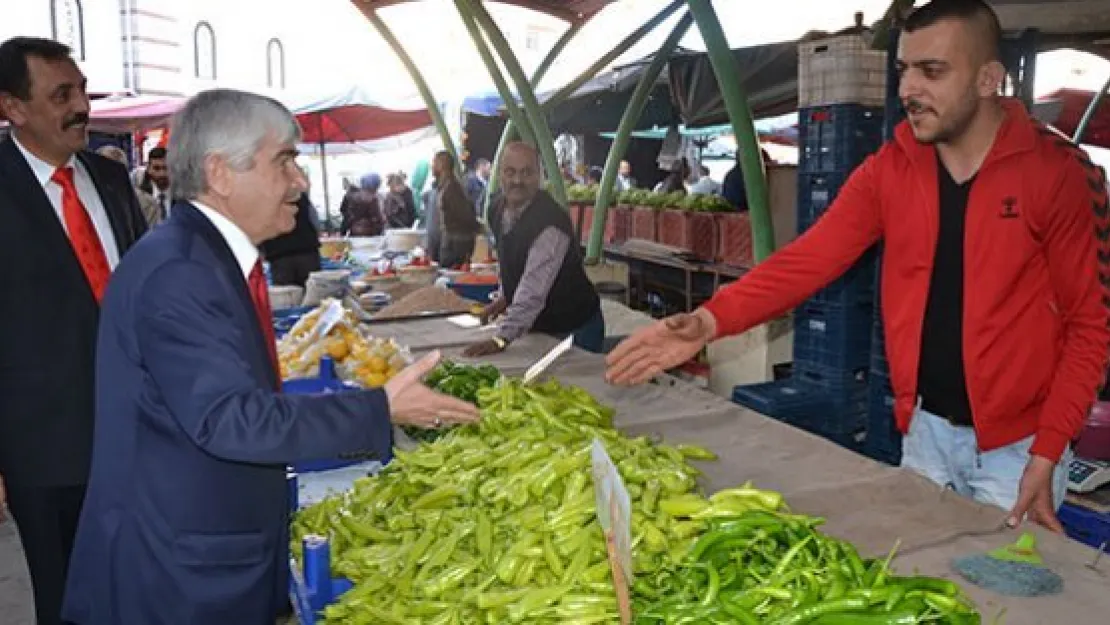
245,252
86,191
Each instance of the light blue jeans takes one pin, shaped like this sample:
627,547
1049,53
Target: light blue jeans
949,456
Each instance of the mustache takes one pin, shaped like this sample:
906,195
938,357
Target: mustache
76,120
913,105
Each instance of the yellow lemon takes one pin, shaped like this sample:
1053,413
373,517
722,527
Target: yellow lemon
377,364
374,380
338,349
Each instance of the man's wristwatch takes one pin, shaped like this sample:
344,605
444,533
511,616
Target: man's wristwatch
500,342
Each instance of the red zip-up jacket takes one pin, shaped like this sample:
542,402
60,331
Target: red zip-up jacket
1036,276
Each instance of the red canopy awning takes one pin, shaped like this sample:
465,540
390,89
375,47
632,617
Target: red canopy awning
1064,108
352,115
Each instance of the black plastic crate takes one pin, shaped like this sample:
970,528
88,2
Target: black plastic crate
837,137
831,340
816,193
883,441
785,400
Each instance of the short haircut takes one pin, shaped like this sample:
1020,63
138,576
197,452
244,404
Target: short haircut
224,122
156,152
704,170
15,75
976,12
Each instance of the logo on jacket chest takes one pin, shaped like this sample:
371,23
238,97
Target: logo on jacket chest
1009,208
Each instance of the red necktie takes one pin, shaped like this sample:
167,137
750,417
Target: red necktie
82,234
260,295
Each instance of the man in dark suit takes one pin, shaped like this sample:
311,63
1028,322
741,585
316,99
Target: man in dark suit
68,216
186,517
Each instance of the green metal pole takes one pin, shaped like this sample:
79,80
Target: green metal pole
632,39
624,134
1089,114
516,116
510,128
544,142
417,78
740,114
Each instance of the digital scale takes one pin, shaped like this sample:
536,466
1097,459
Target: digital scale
1085,476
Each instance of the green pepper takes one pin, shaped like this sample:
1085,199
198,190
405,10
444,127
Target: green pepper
809,613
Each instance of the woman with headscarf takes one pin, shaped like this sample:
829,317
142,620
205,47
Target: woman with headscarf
399,207
361,211
151,211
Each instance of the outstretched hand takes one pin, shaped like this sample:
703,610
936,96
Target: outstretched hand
1035,501
412,403
663,345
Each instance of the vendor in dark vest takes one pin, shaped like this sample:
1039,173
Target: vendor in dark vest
544,287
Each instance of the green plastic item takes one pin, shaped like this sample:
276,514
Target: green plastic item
1024,550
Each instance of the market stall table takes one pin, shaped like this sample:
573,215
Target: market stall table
868,503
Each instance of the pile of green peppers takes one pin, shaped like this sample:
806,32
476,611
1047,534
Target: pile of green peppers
496,522
461,381
769,566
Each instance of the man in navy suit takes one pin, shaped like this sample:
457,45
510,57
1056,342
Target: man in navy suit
185,521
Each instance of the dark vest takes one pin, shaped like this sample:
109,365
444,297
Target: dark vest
572,299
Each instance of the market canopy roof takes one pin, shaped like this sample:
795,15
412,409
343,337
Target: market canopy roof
567,10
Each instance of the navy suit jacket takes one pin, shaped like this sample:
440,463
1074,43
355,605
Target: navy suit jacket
186,517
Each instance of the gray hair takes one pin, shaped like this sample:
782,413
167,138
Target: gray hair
227,122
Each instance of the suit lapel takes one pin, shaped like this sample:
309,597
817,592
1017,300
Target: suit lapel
29,198
232,272
111,198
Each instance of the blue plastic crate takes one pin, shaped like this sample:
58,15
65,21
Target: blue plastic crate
481,293
879,363
785,400
327,382
1086,526
816,193
311,586
856,286
286,318
837,137
832,340
884,441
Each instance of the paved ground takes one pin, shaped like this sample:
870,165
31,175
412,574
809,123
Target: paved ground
15,587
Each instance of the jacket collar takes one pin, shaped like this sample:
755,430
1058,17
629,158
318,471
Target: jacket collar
1017,134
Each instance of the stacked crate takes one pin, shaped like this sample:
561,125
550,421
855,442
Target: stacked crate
883,441
840,122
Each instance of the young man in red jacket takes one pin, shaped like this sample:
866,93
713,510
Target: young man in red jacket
994,277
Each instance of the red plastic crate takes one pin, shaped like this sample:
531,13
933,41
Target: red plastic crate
703,235
620,218
734,239
588,222
645,223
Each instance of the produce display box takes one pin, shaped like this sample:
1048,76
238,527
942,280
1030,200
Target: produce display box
645,223
621,218
734,239
1086,526
311,587
696,232
836,138
830,337
286,318
586,221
